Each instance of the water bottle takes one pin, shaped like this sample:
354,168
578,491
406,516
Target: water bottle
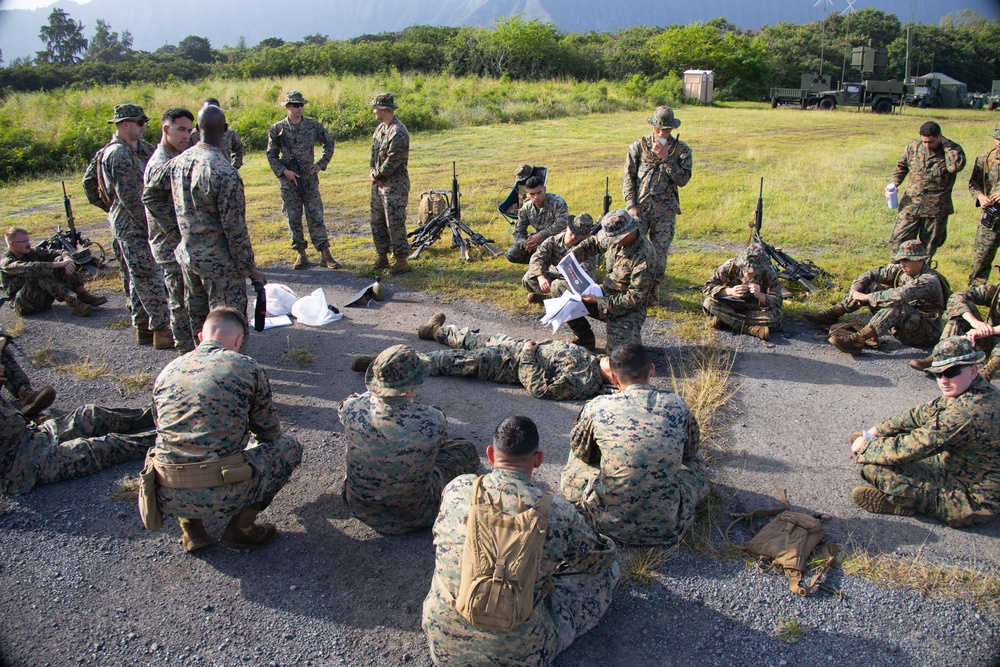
891,196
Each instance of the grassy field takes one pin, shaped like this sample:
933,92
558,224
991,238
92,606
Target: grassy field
824,175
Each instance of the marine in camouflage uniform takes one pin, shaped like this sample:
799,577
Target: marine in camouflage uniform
941,459
78,444
231,146
551,251
390,185
635,467
33,281
984,185
164,234
964,317
548,219
31,402
628,279
550,369
285,140
399,457
122,166
758,316
577,576
652,174
932,164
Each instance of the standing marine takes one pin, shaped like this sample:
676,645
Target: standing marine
984,184
390,186
231,144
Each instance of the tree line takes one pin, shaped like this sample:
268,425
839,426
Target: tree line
965,46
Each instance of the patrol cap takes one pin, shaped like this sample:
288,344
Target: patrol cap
523,172
384,101
128,112
395,372
954,351
581,224
616,225
996,132
663,118
754,256
912,249
294,97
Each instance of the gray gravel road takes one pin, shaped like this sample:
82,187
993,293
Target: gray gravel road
84,583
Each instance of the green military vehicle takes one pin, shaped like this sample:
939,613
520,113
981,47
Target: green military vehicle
806,95
938,91
878,95
993,101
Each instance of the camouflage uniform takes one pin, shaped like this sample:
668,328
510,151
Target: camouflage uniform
301,137
635,467
943,458
390,155
231,146
925,206
556,370
738,314
576,580
549,220
650,185
15,379
33,283
969,301
122,172
544,261
985,180
907,308
207,403
78,444
214,250
164,235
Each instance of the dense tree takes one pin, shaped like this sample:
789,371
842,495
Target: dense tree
64,40
198,49
316,39
108,47
271,42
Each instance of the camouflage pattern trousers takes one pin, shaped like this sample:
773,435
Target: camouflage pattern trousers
924,487
388,220
984,251
273,464
39,293
147,294
620,328
738,315
81,443
658,224
906,323
202,294
555,279
14,376
932,232
494,358
293,204
516,254
180,322
957,326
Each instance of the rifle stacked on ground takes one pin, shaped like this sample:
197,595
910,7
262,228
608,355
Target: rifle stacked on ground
462,237
788,267
71,241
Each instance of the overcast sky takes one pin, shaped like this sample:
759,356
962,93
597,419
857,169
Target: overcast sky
31,4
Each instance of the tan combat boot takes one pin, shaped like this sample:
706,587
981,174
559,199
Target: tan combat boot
715,322
990,368
922,364
872,500
427,331
400,266
193,535
302,261
382,263
361,363
33,402
759,332
163,339
327,260
90,299
143,336
856,343
653,299
242,533
827,317
77,307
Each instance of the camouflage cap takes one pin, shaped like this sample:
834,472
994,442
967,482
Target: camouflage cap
912,249
523,172
996,132
384,101
581,224
616,225
395,372
754,256
294,97
954,351
128,112
663,118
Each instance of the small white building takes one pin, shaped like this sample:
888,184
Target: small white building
699,84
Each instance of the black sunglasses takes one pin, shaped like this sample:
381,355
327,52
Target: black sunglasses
295,104
952,372
141,122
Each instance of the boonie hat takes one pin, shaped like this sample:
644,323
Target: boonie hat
581,224
523,172
384,101
912,249
294,97
954,351
996,132
395,372
128,112
663,118
754,256
616,225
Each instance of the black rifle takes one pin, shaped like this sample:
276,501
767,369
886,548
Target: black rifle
259,306
293,164
70,240
606,204
789,268
450,218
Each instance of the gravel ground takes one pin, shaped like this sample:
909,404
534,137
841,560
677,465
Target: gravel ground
84,583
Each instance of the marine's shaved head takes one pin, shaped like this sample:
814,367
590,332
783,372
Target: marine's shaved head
226,326
212,124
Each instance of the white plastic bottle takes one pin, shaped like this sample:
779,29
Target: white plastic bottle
891,196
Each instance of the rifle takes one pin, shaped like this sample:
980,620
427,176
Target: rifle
70,240
295,165
607,197
789,268
74,235
450,218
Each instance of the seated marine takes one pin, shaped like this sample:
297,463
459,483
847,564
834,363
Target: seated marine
744,294
635,467
963,320
399,456
542,279
907,299
941,459
546,213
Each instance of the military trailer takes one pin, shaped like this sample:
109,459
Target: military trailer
993,101
806,95
939,91
872,92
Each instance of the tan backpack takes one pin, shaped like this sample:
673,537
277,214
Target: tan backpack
93,182
432,203
501,560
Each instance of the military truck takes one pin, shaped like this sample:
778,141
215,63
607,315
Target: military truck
937,90
993,101
879,95
806,95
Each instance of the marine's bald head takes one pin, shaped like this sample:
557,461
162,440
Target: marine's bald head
212,124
